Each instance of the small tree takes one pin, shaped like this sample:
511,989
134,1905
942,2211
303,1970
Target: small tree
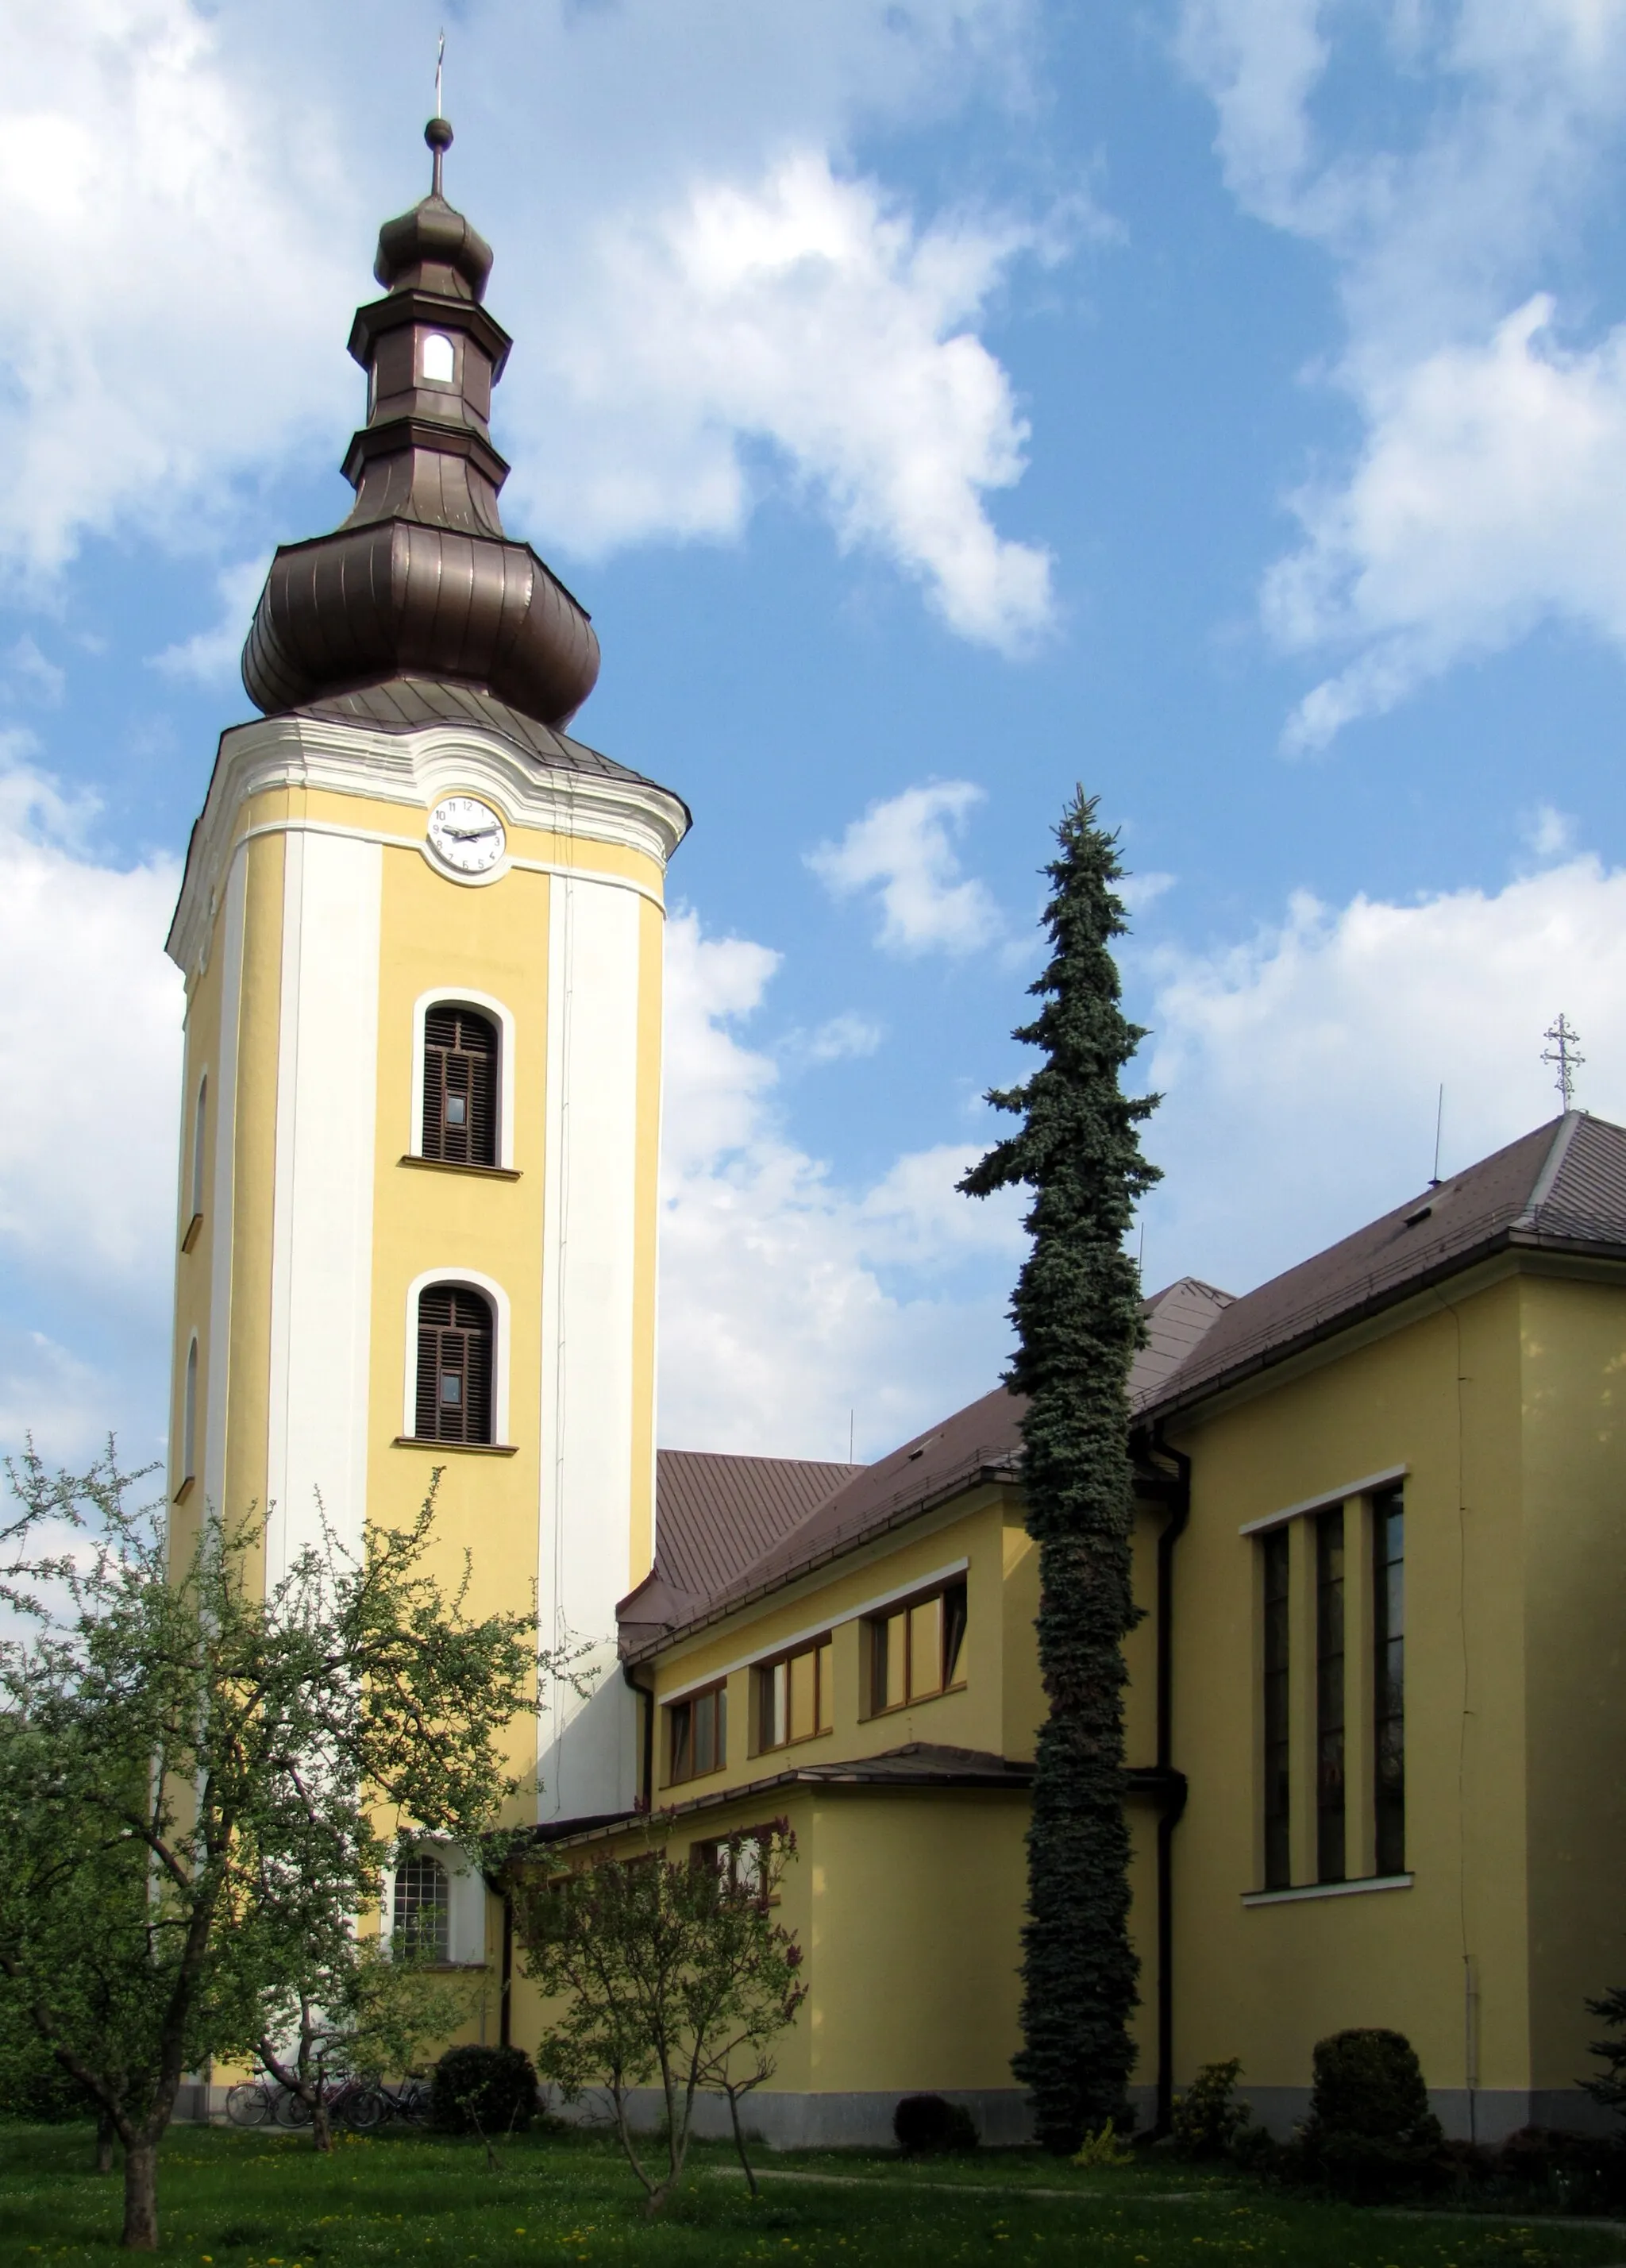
1610,2090
672,1973
193,1772
363,2008
1078,1315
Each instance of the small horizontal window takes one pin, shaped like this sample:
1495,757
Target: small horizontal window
697,1735
915,1651
741,1861
795,1696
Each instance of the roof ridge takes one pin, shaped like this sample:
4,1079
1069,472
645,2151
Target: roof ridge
1552,1166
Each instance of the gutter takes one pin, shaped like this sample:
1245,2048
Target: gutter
1173,1783
1377,1302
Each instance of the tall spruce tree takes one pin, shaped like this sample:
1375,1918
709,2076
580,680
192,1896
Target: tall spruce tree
1077,1311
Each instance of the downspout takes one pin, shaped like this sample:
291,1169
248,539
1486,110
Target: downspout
1173,1782
504,2031
646,1694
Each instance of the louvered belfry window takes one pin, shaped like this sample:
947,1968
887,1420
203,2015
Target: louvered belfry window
459,1087
454,1364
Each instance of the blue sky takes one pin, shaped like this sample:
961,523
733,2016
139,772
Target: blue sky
1219,403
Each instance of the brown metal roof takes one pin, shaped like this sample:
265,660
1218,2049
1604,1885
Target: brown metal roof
919,1765
406,704
982,1442
716,1514
1562,1187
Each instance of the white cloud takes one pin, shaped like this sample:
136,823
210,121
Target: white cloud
1486,498
90,1050
1477,502
787,1301
33,674
1548,832
809,311
903,849
839,1037
693,277
174,271
90,1065
214,656
1301,1069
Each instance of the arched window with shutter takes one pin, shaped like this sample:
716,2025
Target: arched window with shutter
423,1918
459,1086
454,1364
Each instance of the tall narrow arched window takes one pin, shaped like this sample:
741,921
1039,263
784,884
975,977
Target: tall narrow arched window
459,1086
199,1121
422,1908
454,1364
188,1419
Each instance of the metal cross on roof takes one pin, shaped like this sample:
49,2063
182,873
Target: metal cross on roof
1565,1055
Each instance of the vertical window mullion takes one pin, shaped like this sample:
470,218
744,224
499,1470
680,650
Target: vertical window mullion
1276,1714
1388,1620
1329,1667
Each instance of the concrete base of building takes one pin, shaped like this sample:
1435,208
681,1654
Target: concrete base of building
1487,2116
855,2121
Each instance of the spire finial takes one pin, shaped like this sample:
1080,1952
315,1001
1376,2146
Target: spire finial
437,133
1564,1056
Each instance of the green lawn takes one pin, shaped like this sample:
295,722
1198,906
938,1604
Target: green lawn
232,2201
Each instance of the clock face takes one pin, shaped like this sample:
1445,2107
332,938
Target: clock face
466,834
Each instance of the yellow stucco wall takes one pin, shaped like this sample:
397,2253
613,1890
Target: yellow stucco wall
1574,1347
1265,1982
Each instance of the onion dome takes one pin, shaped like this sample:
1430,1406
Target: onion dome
420,581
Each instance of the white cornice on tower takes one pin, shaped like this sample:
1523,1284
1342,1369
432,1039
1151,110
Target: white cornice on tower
413,769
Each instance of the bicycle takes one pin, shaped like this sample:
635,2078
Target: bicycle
408,2102
249,2103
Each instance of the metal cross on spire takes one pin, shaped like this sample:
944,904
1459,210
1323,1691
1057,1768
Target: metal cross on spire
1565,1055
440,58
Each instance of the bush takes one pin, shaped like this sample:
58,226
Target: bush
1207,2118
1370,2132
1576,2173
926,2126
484,2090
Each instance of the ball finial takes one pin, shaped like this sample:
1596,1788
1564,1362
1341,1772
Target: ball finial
438,134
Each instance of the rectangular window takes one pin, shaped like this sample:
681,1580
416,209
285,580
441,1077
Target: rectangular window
917,1651
697,1735
741,1860
1278,1855
1329,1849
1388,1598
796,1695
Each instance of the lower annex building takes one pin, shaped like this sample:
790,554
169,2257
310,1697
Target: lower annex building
1376,1712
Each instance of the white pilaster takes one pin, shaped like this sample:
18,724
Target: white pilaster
585,1747
321,1263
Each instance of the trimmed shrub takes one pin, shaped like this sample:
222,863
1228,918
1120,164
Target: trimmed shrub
1370,2132
926,2126
1207,2118
482,2090
1576,2173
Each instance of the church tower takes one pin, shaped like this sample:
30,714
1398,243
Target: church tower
421,930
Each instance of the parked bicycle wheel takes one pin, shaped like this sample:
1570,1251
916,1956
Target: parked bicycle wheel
248,2103
365,2109
292,2109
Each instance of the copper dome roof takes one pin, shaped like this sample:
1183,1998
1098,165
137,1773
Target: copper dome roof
421,579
